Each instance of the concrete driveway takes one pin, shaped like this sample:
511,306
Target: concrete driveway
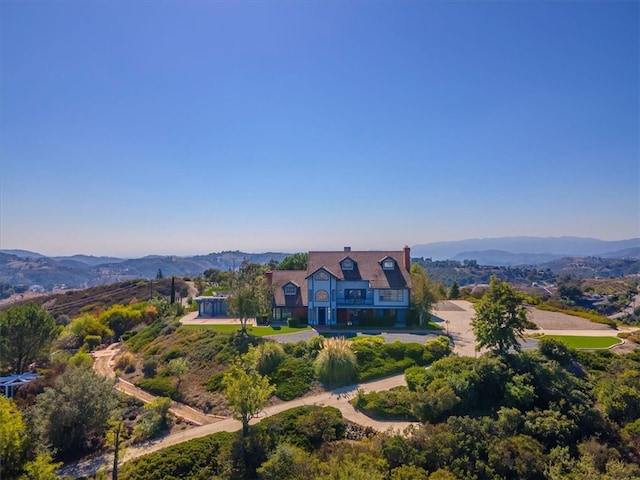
455,316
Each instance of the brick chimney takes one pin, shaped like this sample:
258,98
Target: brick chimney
407,257
269,276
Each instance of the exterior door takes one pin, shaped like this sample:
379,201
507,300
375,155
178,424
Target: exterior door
322,315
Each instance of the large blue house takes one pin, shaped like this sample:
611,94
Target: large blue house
345,287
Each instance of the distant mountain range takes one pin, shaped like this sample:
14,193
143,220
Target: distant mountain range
507,251
23,267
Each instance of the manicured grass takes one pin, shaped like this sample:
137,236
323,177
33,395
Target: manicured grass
585,342
255,331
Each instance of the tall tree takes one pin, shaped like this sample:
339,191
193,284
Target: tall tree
297,261
13,434
454,291
173,290
250,300
423,293
179,368
500,318
26,332
76,411
246,391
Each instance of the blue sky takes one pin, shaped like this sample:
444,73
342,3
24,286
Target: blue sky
183,127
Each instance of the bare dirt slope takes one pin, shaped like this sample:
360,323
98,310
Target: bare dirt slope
560,321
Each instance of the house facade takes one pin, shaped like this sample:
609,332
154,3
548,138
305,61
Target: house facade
345,287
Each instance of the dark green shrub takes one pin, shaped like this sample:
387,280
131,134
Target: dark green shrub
149,367
414,351
145,336
214,384
416,378
160,386
556,350
127,335
293,322
171,355
389,404
293,378
437,348
306,427
315,343
395,350
92,341
200,459
299,349
386,369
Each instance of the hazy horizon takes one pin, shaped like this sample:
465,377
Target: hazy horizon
180,128
291,251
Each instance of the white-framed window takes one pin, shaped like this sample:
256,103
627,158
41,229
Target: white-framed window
322,296
290,289
388,264
321,275
391,295
347,264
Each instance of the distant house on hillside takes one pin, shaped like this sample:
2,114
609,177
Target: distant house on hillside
345,287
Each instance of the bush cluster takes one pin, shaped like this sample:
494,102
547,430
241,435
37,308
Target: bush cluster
292,378
389,404
160,386
377,359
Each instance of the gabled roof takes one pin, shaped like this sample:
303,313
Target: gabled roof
368,266
281,278
312,272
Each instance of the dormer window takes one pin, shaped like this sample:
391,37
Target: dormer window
388,264
321,275
290,289
347,264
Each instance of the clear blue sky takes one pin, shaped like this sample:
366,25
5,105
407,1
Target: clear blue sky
183,127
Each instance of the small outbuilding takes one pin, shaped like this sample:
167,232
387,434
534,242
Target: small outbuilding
212,306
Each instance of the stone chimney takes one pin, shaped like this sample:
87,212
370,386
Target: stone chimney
347,249
269,276
407,257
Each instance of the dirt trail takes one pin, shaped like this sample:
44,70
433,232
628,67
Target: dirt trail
103,365
338,398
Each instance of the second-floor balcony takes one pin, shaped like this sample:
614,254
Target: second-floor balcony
345,302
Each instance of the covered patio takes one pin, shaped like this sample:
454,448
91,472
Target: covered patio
9,383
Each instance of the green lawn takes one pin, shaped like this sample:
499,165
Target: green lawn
585,342
255,331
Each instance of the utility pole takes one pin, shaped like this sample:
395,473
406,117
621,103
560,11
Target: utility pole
116,451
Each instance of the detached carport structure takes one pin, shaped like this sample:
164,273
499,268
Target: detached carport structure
210,306
10,382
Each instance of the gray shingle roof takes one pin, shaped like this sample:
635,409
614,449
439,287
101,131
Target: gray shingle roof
280,278
367,267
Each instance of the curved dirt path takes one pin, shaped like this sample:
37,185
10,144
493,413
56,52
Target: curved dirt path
103,365
338,398
456,317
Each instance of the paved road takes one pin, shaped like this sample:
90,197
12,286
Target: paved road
338,398
455,316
